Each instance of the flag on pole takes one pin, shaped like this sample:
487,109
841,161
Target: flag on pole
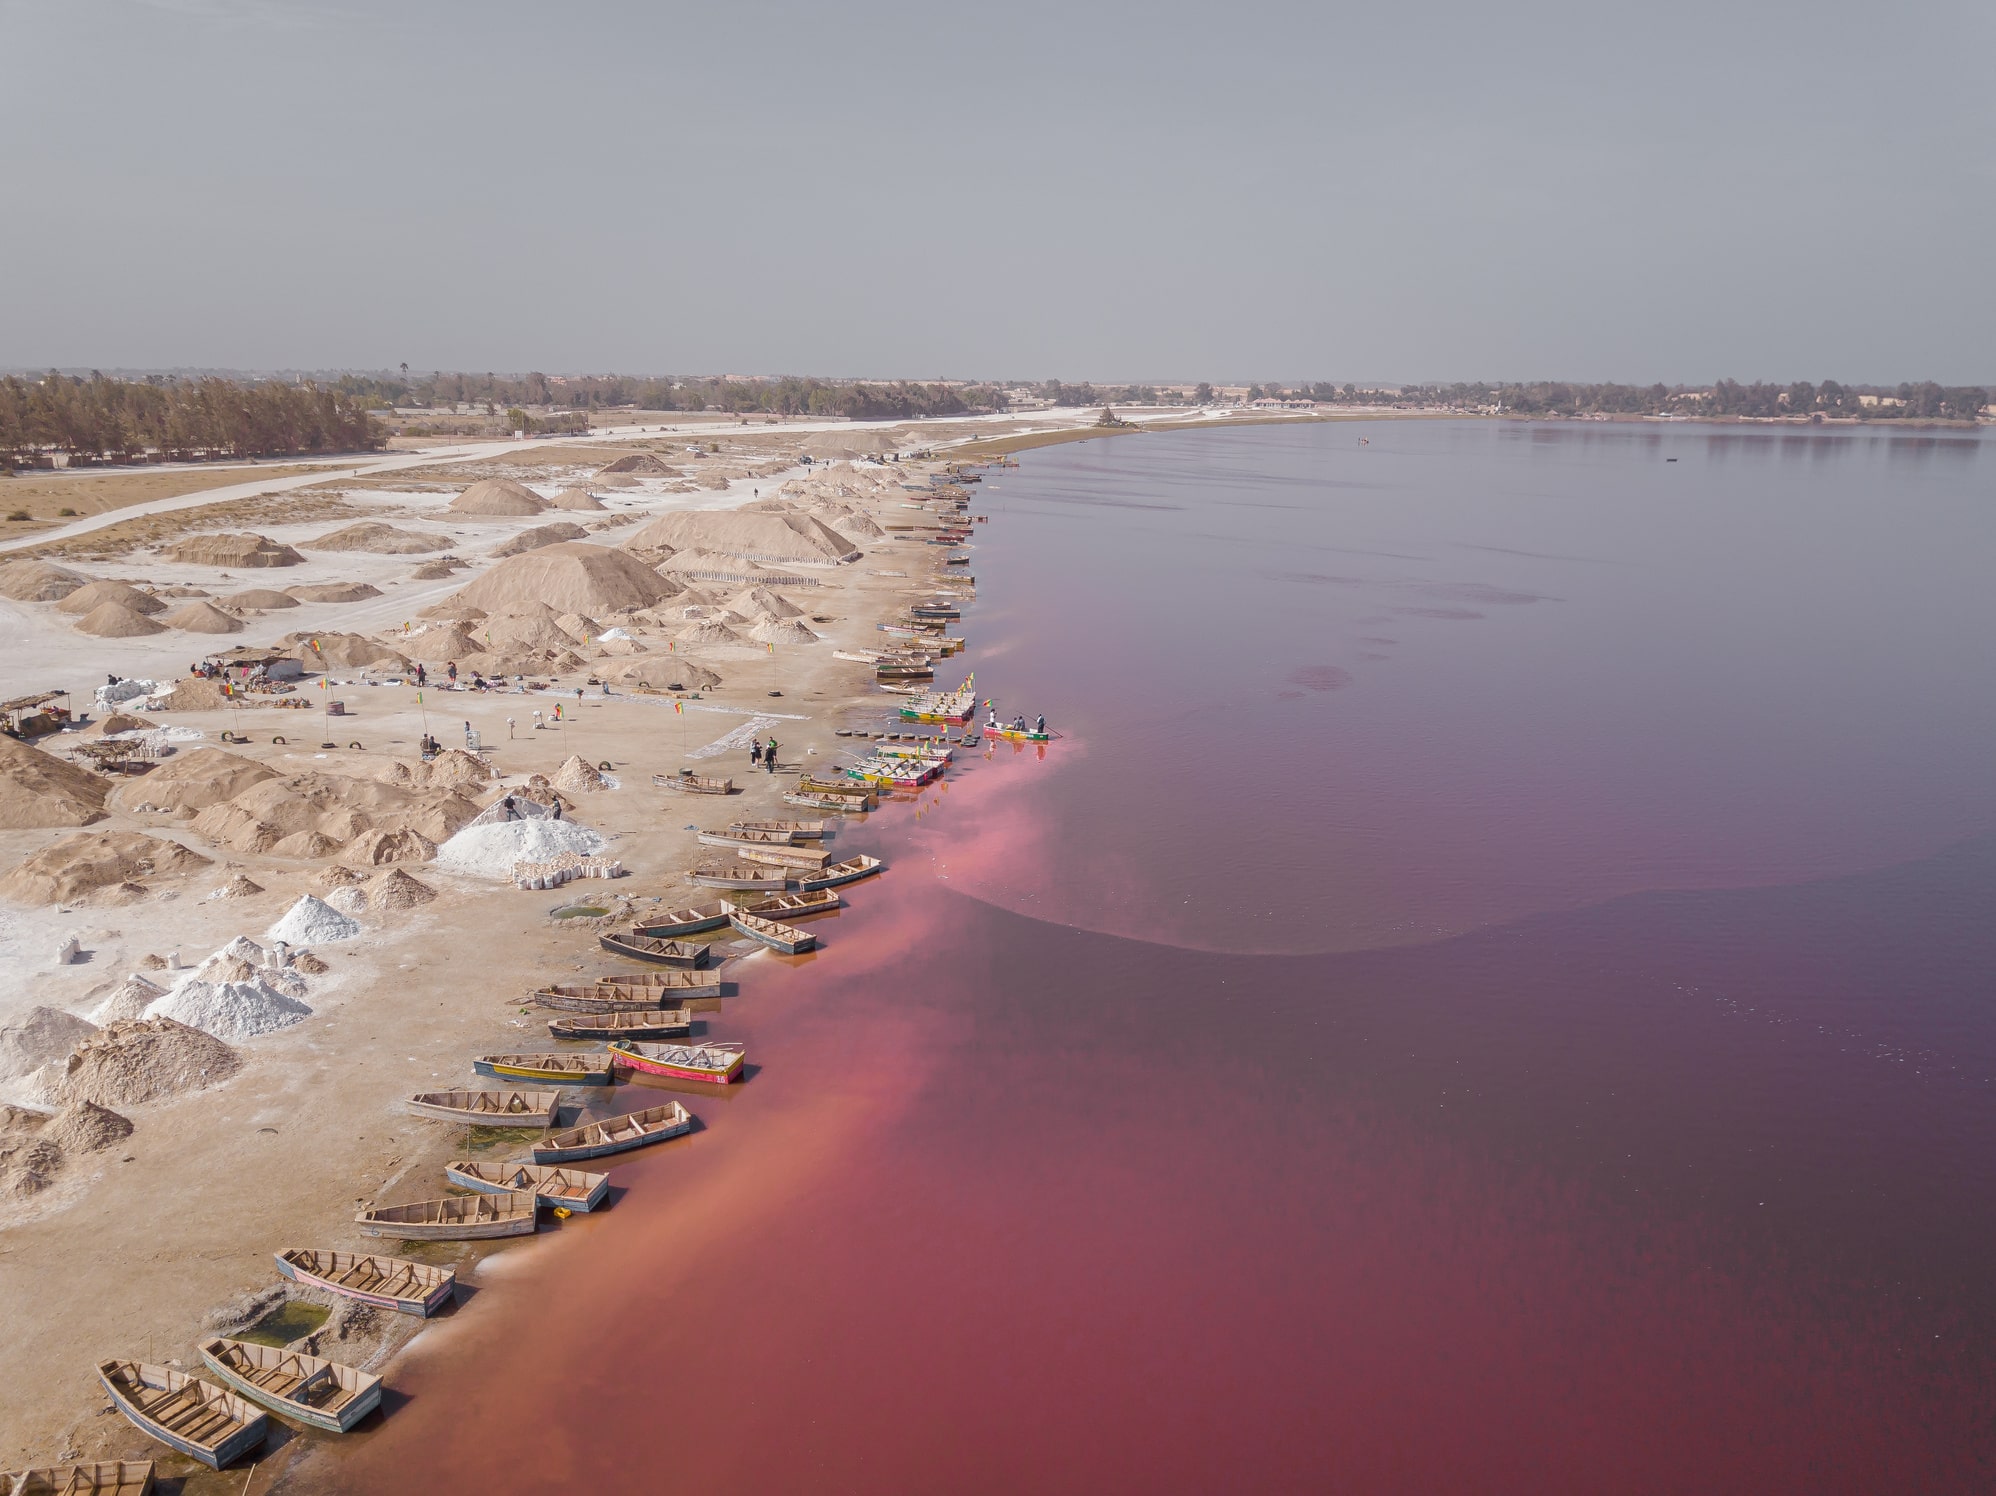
772,649
679,708
419,698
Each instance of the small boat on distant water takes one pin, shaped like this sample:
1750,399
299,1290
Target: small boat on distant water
96,1478
489,1108
716,1064
183,1412
551,1069
849,871
676,922
687,782
626,997
453,1218
794,905
386,1282
615,1134
778,937
308,1389
749,876
797,830
660,952
657,1023
1018,734
549,1184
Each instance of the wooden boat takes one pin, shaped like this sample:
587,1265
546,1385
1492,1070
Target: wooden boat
946,646
849,871
747,876
735,840
836,804
955,707
98,1478
936,748
676,922
306,1389
799,830
615,1135
385,1282
716,1064
904,672
657,1023
805,857
900,630
794,905
897,773
489,1108
943,611
453,1218
838,788
636,947
553,1069
183,1412
666,979
687,782
621,997
550,1185
778,937
1018,734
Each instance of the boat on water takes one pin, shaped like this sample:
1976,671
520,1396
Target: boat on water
794,905
716,1064
689,783
656,1023
675,922
836,804
1018,734
652,948
386,1282
96,1478
453,1218
749,877
849,871
489,1108
955,707
621,997
549,1184
793,857
305,1389
183,1412
798,830
553,1069
778,937
615,1135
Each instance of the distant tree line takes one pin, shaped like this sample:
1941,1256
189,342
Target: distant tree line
786,396
123,420
1918,402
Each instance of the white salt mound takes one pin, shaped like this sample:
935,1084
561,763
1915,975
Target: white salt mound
312,921
490,851
349,900
231,1011
129,999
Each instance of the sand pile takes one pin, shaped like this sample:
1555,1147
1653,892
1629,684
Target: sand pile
858,526
38,789
577,499
538,536
203,618
242,886
310,964
756,537
760,602
196,695
782,631
577,776
379,539
572,577
431,571
662,673
646,463
118,722
395,889
116,621
500,496
233,551
615,480
35,1146
377,847
490,851
102,866
45,1034
335,592
96,594
40,581
128,999
535,626
338,876
312,921
341,651
190,782
579,627
261,600
439,646
315,815
451,769
707,631
133,1061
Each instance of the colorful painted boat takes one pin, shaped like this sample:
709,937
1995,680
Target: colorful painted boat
551,1069
386,1282
778,937
96,1478
715,1064
619,997
849,871
1018,734
748,877
304,1389
549,1184
183,1412
897,773
489,1108
794,905
791,857
635,947
676,922
453,1218
689,783
936,748
658,1023
615,1135
955,707
798,830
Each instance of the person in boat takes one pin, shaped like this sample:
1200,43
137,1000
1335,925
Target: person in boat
1040,723
1019,723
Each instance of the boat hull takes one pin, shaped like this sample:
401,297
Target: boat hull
774,882
670,953
225,1451
667,1070
696,922
553,1199
1015,735
433,1297
95,1478
341,1422
543,1117
642,999
839,873
694,786
582,1028
499,1070
778,937
557,1151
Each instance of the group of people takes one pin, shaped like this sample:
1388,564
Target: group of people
1018,722
763,754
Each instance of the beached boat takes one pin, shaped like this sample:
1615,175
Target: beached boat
734,840
804,857
660,952
946,646
657,1023
794,905
849,871
550,1185
615,1135
306,1389
900,630
97,1478
676,922
687,782
453,1218
897,773
943,611
955,707
621,997
745,876
778,937
1018,734
716,1064
904,672
838,789
835,804
183,1412
798,830
552,1069
386,1282
936,748
489,1108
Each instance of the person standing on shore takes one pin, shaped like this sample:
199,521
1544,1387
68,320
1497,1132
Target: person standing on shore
769,755
755,752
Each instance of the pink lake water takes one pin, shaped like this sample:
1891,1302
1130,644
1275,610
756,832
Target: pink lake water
1492,991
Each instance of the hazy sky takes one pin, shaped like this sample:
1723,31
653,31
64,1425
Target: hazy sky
1674,191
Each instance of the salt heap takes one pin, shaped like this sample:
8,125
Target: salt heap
129,999
347,900
578,776
312,921
231,1011
490,851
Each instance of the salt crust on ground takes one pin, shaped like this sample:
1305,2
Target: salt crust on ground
490,851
